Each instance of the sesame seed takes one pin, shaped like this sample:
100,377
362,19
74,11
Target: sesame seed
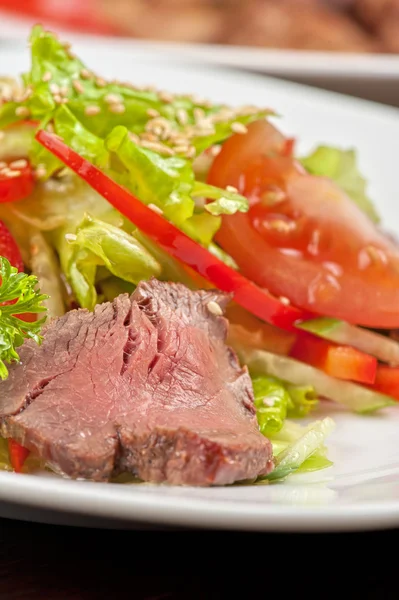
214,308
166,97
54,88
85,74
157,147
50,128
215,150
112,99
231,188
40,173
149,137
284,300
199,114
57,98
155,209
181,149
151,112
22,111
63,173
92,110
19,164
135,138
157,130
46,77
77,85
70,237
282,226
100,82
179,139
191,152
182,116
273,195
64,90
204,131
11,174
117,109
238,127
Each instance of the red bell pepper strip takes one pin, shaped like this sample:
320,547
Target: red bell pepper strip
9,248
342,362
18,455
387,381
255,299
16,180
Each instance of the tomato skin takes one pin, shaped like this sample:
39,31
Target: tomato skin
387,381
303,238
13,189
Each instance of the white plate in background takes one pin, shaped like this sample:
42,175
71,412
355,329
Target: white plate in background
361,491
371,76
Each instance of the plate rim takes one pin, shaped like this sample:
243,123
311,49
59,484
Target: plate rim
63,496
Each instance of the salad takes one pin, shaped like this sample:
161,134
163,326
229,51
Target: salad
105,185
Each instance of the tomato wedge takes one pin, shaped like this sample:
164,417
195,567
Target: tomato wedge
18,455
303,238
387,381
16,180
256,300
342,362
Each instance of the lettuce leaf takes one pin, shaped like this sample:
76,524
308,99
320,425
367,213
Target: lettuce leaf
341,166
293,457
154,179
275,400
271,402
303,400
97,243
55,69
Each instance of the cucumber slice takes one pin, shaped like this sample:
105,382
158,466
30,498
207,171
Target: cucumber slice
290,459
380,346
356,397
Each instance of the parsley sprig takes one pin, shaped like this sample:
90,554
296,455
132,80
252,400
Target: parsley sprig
19,295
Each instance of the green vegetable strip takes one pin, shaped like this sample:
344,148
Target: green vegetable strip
294,456
276,399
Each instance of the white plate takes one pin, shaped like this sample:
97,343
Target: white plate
362,490
371,76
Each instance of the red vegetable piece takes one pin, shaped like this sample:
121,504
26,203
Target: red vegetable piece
18,455
16,181
255,299
387,381
342,362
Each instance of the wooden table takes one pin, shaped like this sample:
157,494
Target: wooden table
53,563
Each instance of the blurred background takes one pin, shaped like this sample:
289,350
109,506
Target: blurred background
366,26
293,39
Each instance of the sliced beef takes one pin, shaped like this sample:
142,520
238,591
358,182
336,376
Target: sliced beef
145,384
